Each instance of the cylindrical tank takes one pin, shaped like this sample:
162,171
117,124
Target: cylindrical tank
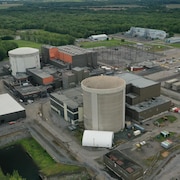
23,58
104,103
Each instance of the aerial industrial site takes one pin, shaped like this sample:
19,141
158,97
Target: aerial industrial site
116,110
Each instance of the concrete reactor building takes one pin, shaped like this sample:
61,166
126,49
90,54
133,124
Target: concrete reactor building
104,103
23,58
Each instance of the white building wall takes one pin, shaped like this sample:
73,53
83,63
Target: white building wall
23,58
100,37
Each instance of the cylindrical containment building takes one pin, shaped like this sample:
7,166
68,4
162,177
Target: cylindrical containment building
104,103
23,58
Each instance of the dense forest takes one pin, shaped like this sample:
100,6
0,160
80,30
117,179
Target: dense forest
60,23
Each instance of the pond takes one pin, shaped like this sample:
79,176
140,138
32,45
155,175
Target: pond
15,158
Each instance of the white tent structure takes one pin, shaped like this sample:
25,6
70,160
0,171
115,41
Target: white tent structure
98,138
99,37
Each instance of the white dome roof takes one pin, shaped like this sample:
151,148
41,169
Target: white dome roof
23,51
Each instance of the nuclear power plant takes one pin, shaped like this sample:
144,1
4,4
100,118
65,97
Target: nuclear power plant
104,103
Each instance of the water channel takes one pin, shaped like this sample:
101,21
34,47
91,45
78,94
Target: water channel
15,158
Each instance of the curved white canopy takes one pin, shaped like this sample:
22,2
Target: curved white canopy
98,138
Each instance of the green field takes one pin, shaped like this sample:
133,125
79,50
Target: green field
107,43
173,6
5,6
22,43
176,45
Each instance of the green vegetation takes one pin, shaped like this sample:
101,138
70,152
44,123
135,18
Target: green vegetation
45,37
61,22
164,119
173,6
46,164
14,176
176,45
2,176
157,48
23,43
9,5
107,43
161,138
5,46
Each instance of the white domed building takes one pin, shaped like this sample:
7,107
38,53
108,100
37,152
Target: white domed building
23,58
104,103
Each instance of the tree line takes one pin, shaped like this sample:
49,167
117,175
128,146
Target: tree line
62,23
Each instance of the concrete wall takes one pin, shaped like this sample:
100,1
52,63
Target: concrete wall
12,116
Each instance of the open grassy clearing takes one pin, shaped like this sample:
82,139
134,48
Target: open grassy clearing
170,119
173,6
22,43
176,45
7,5
107,43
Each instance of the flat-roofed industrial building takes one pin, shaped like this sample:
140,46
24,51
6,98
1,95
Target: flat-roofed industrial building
10,109
69,54
40,77
147,109
143,97
122,166
68,104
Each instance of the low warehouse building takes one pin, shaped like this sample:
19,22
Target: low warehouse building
123,166
94,138
99,37
10,109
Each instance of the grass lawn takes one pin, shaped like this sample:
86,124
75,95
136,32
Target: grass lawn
162,120
8,5
160,138
176,45
107,43
22,43
46,164
157,48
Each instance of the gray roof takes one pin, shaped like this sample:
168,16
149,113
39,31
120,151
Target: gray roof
71,97
73,50
136,80
27,90
148,104
39,72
